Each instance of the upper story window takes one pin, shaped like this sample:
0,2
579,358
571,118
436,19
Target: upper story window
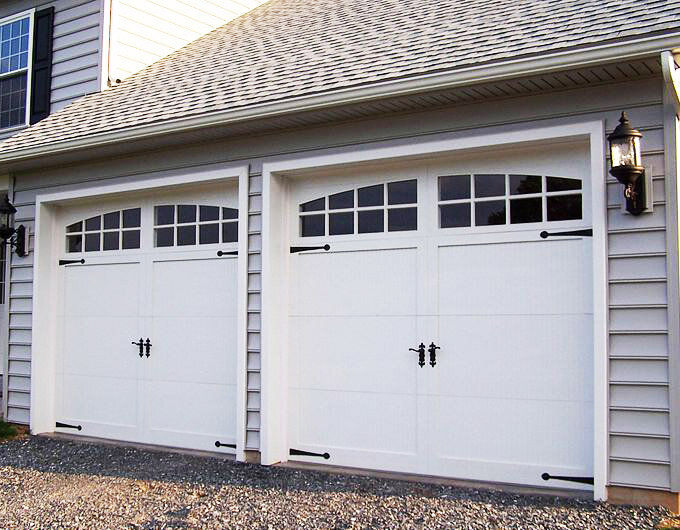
364,210
15,63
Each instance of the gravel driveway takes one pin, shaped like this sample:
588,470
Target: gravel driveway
48,483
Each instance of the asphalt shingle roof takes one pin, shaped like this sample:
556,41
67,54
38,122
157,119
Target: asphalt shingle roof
290,48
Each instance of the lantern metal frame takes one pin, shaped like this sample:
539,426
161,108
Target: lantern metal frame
15,237
637,193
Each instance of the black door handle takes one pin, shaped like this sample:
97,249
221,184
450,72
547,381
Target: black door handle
140,344
147,345
421,354
433,353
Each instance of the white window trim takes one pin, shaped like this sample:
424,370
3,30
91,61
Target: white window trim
30,13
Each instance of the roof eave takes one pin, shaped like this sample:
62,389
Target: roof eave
541,64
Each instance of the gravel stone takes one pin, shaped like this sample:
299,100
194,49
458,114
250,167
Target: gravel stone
53,483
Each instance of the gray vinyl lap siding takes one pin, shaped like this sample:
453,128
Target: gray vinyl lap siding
639,403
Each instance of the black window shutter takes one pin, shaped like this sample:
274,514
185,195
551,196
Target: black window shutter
41,77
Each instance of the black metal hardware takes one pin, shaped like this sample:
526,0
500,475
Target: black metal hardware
221,253
140,345
586,232
70,261
220,444
147,346
298,452
580,480
433,353
421,354
293,250
67,426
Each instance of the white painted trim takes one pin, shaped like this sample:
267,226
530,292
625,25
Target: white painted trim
545,63
671,77
46,255
274,438
105,8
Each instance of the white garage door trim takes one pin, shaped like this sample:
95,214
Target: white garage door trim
274,405
46,255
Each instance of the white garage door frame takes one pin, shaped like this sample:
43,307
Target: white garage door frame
46,254
275,252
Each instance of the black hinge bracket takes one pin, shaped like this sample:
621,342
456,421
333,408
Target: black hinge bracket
294,250
580,480
298,452
67,426
221,253
71,261
587,232
220,444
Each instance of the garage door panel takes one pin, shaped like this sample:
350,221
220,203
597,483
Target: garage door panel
106,290
516,278
530,357
362,282
354,353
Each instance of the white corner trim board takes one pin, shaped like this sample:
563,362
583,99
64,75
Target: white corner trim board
275,438
562,60
671,77
49,248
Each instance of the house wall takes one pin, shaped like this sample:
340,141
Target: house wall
639,432
143,31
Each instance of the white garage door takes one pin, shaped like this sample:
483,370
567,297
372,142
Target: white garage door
450,256
147,329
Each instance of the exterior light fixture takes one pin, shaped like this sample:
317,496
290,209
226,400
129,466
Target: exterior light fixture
626,160
15,237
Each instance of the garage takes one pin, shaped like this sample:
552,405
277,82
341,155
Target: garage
146,326
441,317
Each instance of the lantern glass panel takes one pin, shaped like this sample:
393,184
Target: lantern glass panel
626,152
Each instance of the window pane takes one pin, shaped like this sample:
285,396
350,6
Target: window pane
489,213
164,215
454,215
562,184
341,200
400,219
93,223
564,207
208,234
92,242
131,239
341,223
209,213
74,243
371,221
523,184
12,98
312,225
186,213
132,218
111,220
229,213
404,192
111,240
489,185
454,187
526,210
372,196
313,206
186,235
75,227
230,232
165,237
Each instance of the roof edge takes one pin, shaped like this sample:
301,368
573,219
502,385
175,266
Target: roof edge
498,71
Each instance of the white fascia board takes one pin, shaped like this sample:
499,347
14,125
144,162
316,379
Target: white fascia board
547,63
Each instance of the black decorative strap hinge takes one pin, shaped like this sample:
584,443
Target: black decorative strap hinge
294,250
588,232
67,426
580,480
221,253
220,444
71,261
298,452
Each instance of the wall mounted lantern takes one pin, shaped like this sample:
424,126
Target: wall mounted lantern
626,160
15,237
